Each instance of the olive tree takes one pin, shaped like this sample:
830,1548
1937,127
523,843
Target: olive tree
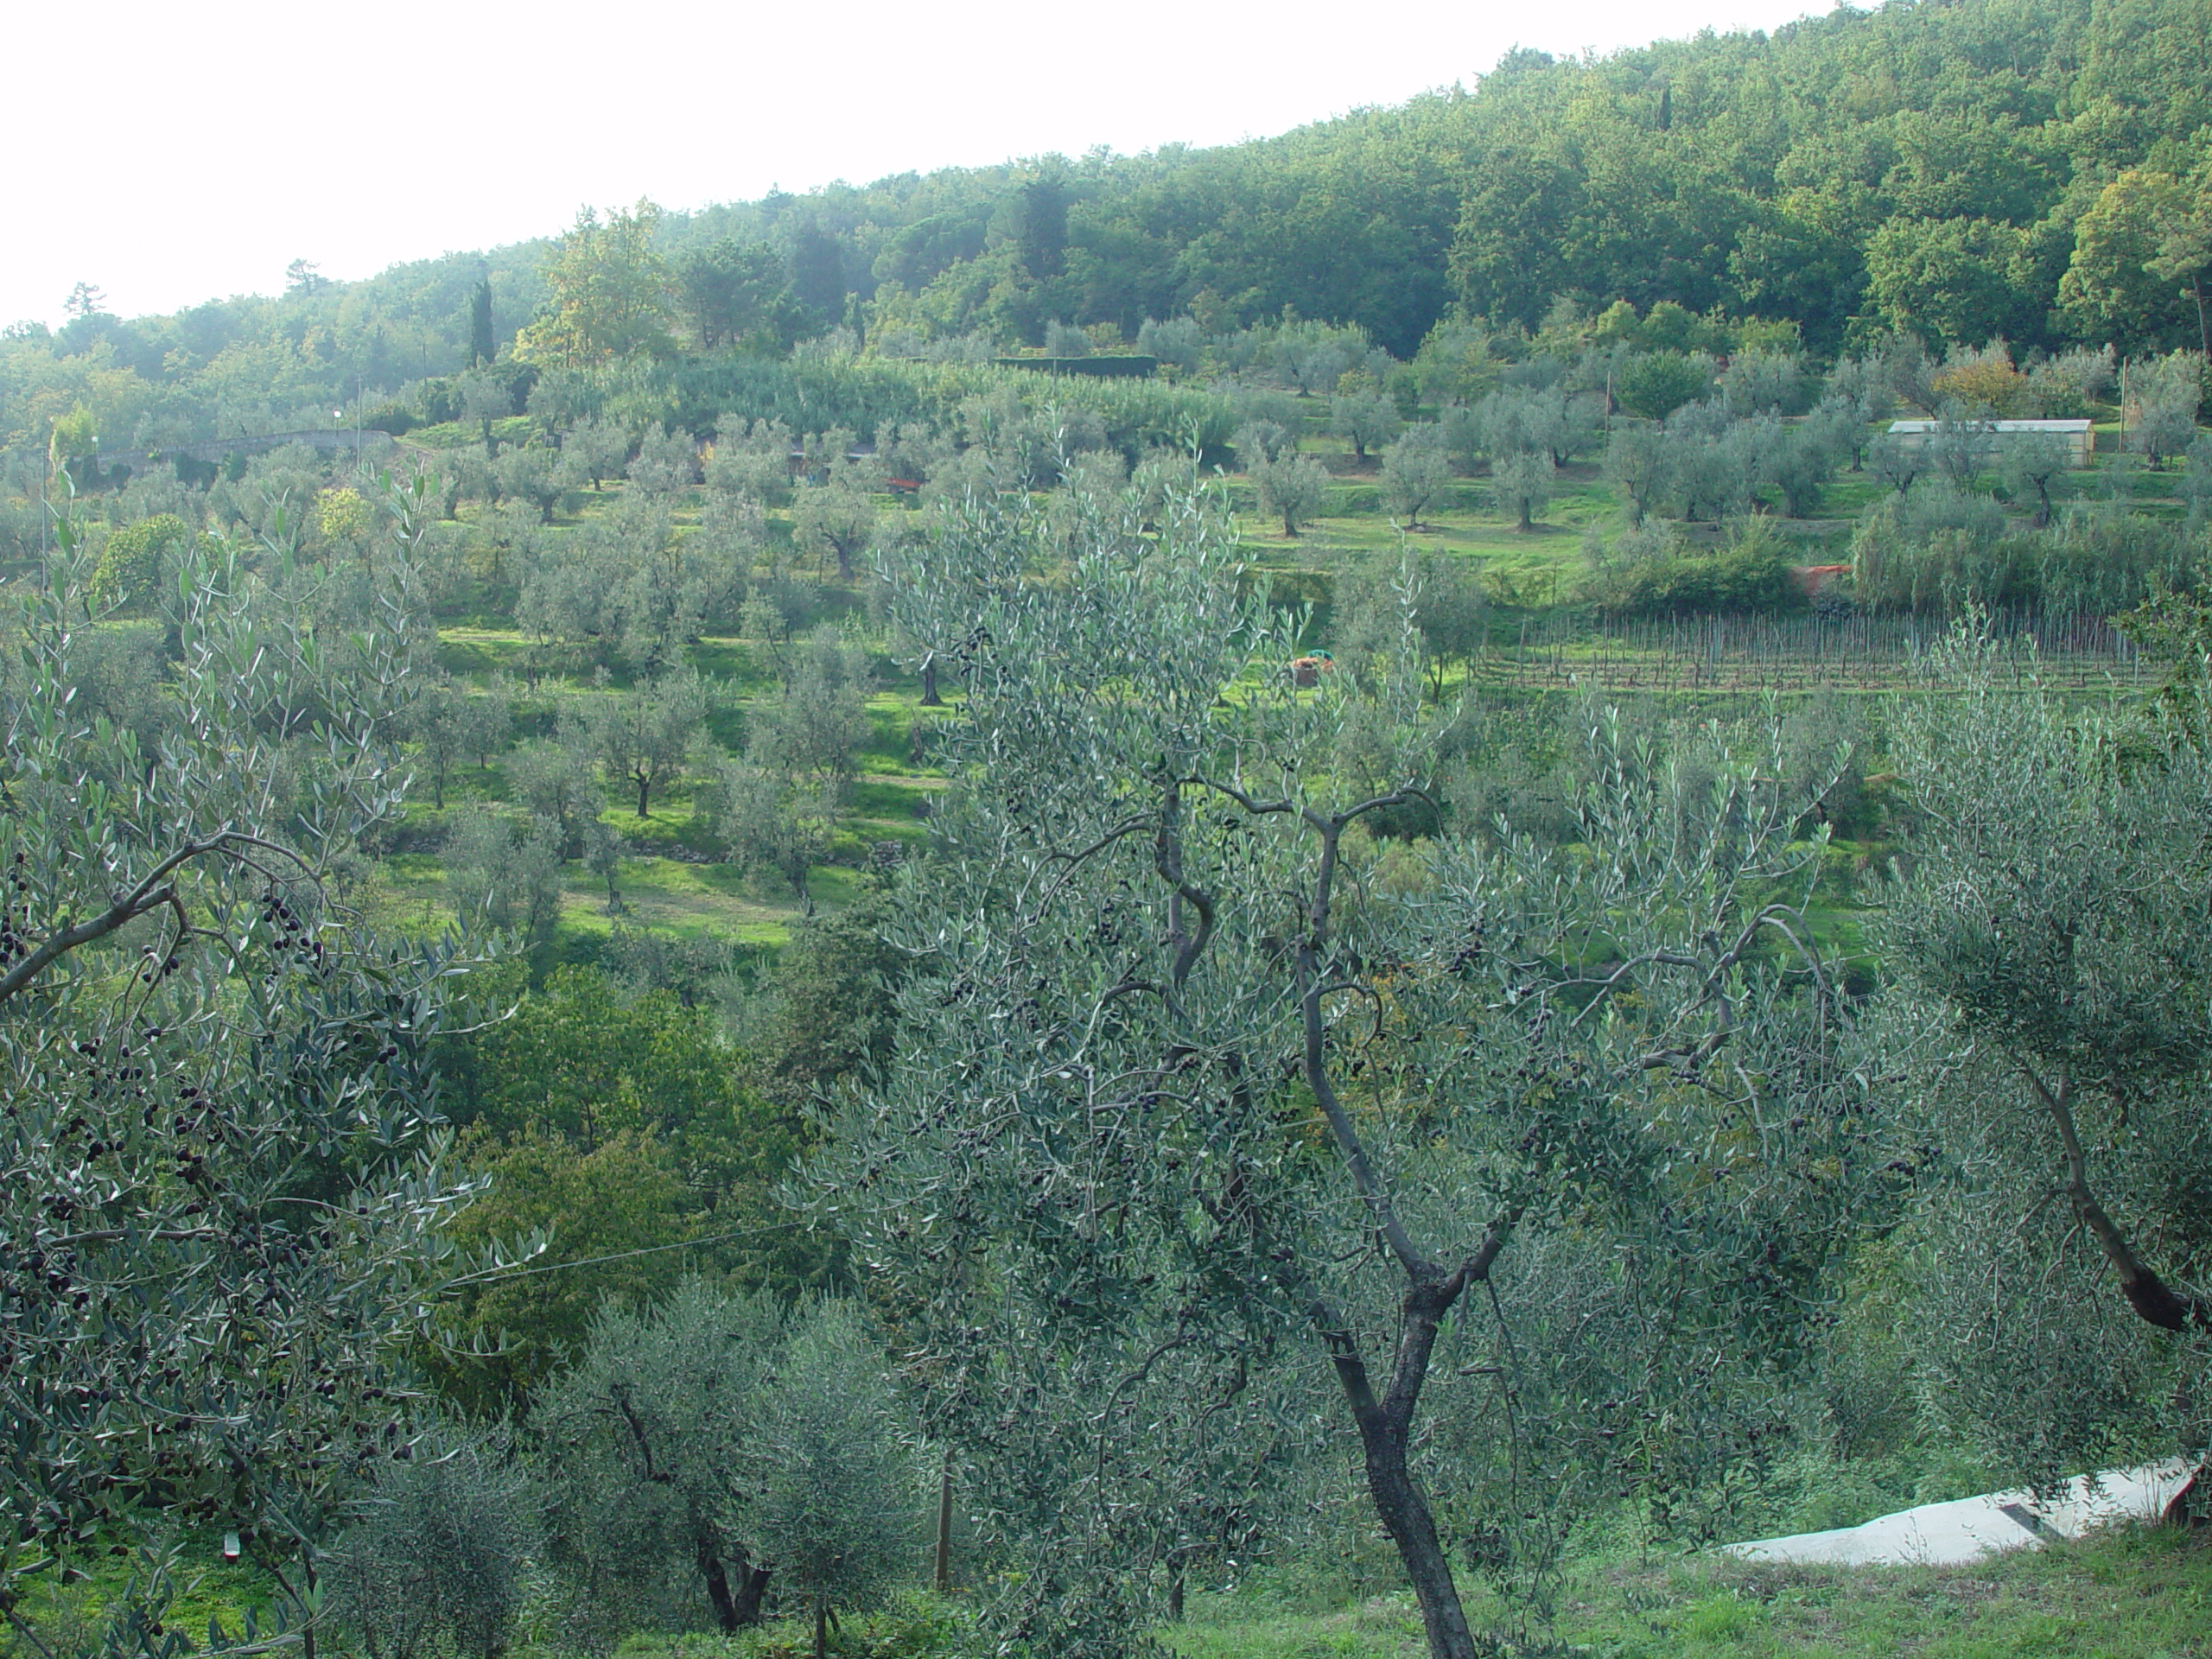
1638,463
839,518
1365,419
1177,1102
221,1172
811,733
440,1555
2167,391
832,1483
1523,482
505,876
2034,465
1415,471
1292,486
2052,925
1451,611
599,449
645,1444
645,736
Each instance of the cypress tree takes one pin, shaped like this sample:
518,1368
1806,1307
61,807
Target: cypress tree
483,342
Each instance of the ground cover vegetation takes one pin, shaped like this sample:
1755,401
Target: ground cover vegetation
944,885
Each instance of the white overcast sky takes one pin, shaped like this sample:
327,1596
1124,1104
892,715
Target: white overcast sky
176,152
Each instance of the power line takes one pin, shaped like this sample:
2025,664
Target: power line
496,1274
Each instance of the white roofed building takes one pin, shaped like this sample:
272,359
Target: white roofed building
2078,435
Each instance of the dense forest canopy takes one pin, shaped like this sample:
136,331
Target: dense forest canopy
2032,169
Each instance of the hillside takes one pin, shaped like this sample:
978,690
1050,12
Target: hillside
2032,169
1315,897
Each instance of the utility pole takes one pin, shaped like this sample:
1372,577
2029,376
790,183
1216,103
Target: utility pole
942,1564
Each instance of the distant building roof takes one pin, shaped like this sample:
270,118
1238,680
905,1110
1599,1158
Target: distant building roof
2068,427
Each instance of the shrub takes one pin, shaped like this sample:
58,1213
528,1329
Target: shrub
1749,577
1657,383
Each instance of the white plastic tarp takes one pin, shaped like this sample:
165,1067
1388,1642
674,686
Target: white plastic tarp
1952,1535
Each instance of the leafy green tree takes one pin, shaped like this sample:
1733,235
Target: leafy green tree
1657,383
441,1554
1547,419
832,1478
223,1166
609,1216
1454,363
1963,280
141,560
584,1061
2141,253
828,1017
1859,392
1112,1172
728,290
816,264
614,1122
1291,488
648,1444
608,292
1415,471
1523,483
483,338
72,443
645,736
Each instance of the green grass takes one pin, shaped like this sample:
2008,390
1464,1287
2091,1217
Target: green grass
678,897
2132,1593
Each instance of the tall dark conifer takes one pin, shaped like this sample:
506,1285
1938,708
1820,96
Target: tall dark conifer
483,339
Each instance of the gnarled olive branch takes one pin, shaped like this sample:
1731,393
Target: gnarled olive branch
154,892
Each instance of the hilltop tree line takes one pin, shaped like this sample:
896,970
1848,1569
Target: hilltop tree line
2035,171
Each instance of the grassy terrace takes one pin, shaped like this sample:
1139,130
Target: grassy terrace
2134,1594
